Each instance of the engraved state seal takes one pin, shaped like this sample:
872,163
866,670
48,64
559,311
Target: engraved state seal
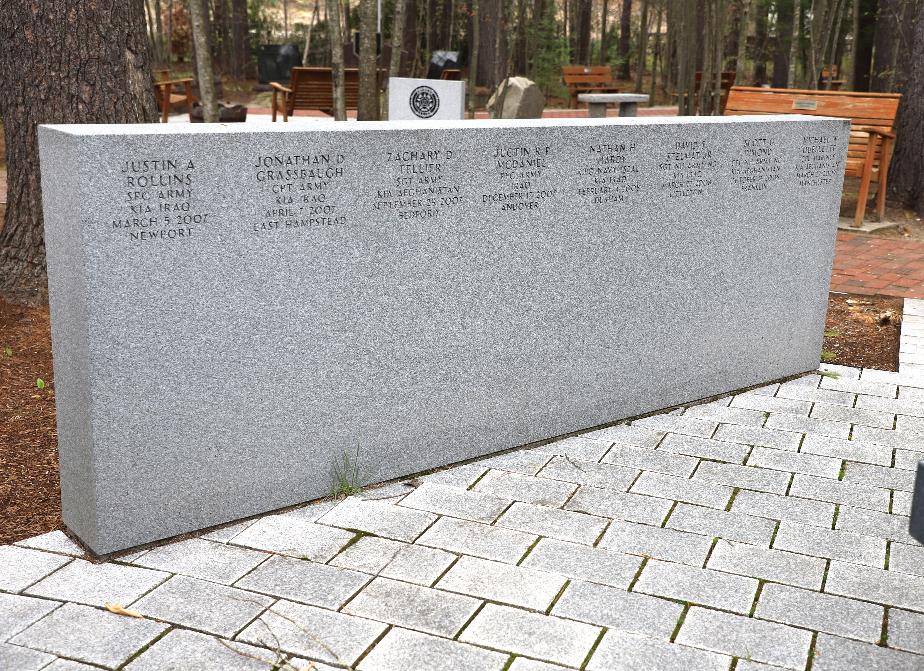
424,102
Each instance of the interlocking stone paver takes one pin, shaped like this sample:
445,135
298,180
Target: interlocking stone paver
746,637
836,491
901,502
17,612
772,506
867,388
370,554
414,607
733,526
513,486
879,476
70,665
831,544
628,435
313,632
494,581
697,585
839,413
906,631
764,390
908,459
98,584
747,477
53,541
203,559
722,413
379,518
763,437
820,612
455,502
526,664
618,609
649,541
845,372
206,606
797,392
21,567
403,650
565,525
891,588
854,450
680,489
23,659
524,462
899,437
795,462
466,475
181,649
833,653
692,426
619,505
294,537
227,532
705,448
801,424
900,406
390,492
531,634
875,523
304,581
418,564
767,564
643,458
582,562
624,650
579,448
907,559
90,635
477,540
763,403
608,476
311,512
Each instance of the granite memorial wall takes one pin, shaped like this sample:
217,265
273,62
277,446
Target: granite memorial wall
236,309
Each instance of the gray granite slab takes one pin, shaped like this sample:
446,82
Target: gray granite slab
98,584
304,581
248,317
21,567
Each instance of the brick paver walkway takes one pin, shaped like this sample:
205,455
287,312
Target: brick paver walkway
868,265
764,530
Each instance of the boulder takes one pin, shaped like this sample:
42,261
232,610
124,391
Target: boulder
517,98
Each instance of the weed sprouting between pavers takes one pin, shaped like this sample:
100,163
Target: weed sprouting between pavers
345,477
830,373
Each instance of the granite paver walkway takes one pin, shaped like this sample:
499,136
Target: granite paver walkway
764,530
869,265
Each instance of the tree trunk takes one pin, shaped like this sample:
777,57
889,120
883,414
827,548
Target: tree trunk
473,61
794,44
604,35
656,56
70,62
336,57
240,38
582,47
397,39
625,42
488,18
760,41
685,13
892,44
197,16
863,43
642,47
158,55
906,177
368,108
315,15
744,26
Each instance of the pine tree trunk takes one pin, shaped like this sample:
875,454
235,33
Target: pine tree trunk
368,108
906,176
794,45
604,35
744,26
863,43
336,57
782,45
397,39
198,17
582,47
473,61
760,41
625,42
642,47
240,38
70,62
158,55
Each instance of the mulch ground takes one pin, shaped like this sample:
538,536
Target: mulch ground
29,495
29,488
863,331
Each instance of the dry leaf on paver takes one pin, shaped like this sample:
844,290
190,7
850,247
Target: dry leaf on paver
121,610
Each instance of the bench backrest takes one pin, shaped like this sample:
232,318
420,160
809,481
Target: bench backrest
576,75
865,110
451,74
313,89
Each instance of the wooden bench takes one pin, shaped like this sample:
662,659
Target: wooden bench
587,79
451,74
728,80
167,99
313,89
872,128
834,72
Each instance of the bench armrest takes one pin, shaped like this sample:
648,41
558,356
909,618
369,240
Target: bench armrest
174,81
883,133
280,87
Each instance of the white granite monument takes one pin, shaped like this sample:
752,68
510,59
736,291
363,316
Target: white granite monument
419,99
236,309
